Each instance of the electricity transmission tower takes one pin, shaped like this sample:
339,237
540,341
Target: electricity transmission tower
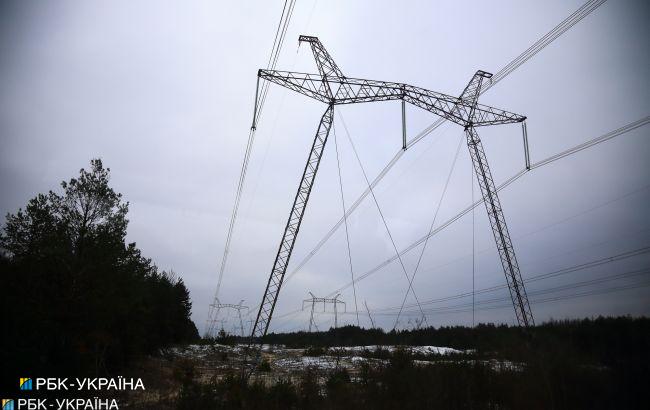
238,307
314,300
331,87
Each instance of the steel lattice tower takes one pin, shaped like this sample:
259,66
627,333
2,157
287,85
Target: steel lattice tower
314,300
219,306
331,87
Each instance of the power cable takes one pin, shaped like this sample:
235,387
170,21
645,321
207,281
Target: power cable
381,214
570,151
622,130
563,271
275,50
583,212
275,56
471,175
347,235
433,221
460,308
535,278
467,307
529,53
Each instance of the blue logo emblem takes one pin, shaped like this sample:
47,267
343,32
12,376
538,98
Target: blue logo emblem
25,384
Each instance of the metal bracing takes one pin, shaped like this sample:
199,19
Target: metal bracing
293,226
333,88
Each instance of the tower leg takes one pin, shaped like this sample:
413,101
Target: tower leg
499,229
293,226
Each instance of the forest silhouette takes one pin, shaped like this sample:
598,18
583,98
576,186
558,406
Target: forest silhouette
76,297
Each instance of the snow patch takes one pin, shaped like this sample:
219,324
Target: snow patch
438,350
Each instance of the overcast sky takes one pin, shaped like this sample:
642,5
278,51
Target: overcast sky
163,93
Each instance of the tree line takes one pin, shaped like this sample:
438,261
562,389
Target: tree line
601,340
76,297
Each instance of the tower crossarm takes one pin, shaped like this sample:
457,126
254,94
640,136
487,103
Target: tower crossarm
460,110
311,85
228,306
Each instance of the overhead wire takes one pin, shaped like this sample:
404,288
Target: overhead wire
548,38
433,222
275,56
619,131
582,12
467,306
605,137
538,301
535,278
613,239
381,214
471,176
563,287
275,51
628,194
347,234
565,270
307,23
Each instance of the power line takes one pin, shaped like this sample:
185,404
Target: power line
605,137
590,143
276,54
535,278
471,175
622,130
464,307
347,234
583,212
548,38
275,50
461,308
433,221
566,270
381,214
570,286
529,53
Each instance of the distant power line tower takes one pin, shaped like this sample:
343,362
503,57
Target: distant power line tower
218,307
315,300
333,88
